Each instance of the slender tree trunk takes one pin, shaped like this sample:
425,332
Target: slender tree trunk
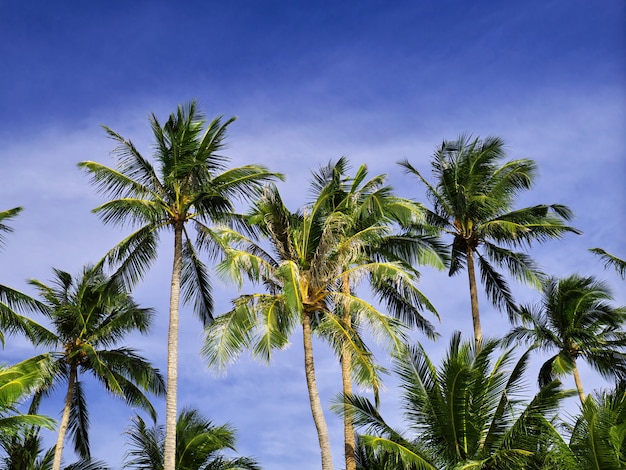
471,274
65,419
346,378
169,454
314,398
579,384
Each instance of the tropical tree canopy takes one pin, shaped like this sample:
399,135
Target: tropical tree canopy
473,197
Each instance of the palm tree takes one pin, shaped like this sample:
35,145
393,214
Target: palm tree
370,211
190,184
464,414
16,383
6,215
472,200
199,445
89,315
303,273
575,318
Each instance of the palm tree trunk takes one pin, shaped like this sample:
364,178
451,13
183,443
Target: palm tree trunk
471,274
314,398
169,454
65,419
346,378
579,384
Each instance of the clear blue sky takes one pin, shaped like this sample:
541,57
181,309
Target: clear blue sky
309,81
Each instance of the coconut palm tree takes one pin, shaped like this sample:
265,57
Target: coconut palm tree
473,197
466,413
89,315
190,184
576,319
199,445
304,275
371,212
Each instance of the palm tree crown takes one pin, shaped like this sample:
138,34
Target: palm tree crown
472,198
576,319
89,316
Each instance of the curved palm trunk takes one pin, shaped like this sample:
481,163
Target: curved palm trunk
314,398
65,419
471,274
169,454
579,384
346,378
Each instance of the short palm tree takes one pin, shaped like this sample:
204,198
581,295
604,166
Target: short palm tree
189,185
473,197
89,315
466,413
199,445
576,319
376,223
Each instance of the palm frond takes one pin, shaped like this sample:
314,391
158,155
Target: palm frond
195,283
611,261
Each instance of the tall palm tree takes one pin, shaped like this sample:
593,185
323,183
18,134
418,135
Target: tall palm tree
466,413
473,197
89,315
199,445
190,183
372,212
6,215
303,273
576,319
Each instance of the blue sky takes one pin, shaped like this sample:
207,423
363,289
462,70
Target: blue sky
309,81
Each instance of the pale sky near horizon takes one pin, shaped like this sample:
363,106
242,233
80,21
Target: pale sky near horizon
309,82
